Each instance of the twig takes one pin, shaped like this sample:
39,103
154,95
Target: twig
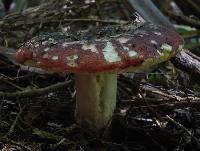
155,90
35,92
183,128
19,144
158,116
51,21
164,104
184,19
16,120
48,135
12,84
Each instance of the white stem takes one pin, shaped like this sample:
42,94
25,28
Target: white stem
95,99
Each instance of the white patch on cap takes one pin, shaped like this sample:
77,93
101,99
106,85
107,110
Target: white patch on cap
154,42
65,44
126,48
157,33
34,55
160,53
72,64
37,45
166,47
52,41
123,40
90,47
55,58
72,57
46,49
45,56
44,42
131,52
71,60
110,53
19,50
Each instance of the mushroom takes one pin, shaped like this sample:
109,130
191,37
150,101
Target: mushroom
97,63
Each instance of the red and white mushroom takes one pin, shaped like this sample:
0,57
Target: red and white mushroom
96,64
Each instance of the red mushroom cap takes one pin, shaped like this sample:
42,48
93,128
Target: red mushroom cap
146,46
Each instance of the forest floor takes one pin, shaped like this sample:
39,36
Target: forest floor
156,110
149,116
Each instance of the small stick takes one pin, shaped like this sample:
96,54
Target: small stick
48,135
184,19
16,120
182,127
35,92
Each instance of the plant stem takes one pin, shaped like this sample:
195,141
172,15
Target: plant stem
95,99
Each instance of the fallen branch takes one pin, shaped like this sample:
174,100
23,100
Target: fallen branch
188,64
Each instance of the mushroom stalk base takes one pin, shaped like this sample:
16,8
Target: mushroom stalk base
95,99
